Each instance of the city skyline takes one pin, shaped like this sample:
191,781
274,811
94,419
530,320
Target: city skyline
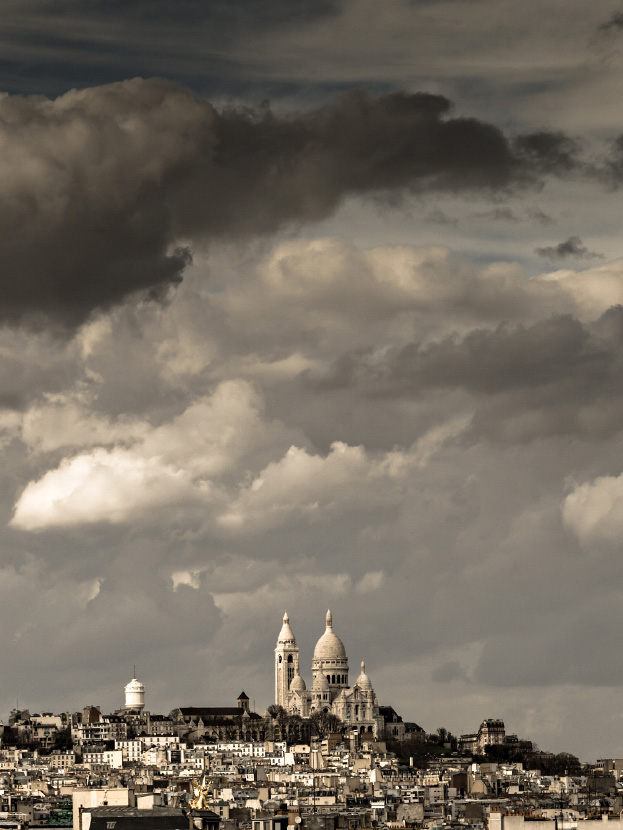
308,305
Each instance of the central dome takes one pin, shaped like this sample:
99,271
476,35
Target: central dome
329,646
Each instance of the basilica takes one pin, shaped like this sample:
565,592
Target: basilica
356,705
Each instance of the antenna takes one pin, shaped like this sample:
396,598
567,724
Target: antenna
134,667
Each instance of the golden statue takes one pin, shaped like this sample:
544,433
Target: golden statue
201,793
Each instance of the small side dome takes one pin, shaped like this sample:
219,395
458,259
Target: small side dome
321,684
363,681
298,684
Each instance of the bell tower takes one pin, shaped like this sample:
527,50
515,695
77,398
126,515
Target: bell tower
286,662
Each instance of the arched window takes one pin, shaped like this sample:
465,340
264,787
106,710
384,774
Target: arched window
332,678
328,678
289,658
280,658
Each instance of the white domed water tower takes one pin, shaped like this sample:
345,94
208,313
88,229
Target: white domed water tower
134,696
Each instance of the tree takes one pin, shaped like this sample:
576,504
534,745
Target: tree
323,723
62,739
277,711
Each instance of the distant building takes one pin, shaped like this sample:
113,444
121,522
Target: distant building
218,722
492,732
134,696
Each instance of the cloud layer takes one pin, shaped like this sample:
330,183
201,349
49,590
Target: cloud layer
94,209
357,347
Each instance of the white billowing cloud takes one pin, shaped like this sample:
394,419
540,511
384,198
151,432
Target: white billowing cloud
170,464
593,290
315,298
190,578
313,488
594,510
103,486
64,421
214,434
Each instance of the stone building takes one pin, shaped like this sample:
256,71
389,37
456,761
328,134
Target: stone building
330,693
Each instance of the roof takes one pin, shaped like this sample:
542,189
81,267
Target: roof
131,818
115,810
390,714
213,712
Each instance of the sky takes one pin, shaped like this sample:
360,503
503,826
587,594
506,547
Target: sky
315,304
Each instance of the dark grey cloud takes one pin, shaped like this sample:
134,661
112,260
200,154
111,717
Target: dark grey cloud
541,217
563,372
438,217
550,152
571,248
485,361
613,24
501,214
612,171
100,183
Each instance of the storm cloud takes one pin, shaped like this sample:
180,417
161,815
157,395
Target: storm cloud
103,185
571,248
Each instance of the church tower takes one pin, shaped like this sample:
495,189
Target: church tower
286,662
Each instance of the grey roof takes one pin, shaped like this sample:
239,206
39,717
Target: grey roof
134,812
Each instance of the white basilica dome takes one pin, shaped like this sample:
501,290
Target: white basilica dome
329,646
